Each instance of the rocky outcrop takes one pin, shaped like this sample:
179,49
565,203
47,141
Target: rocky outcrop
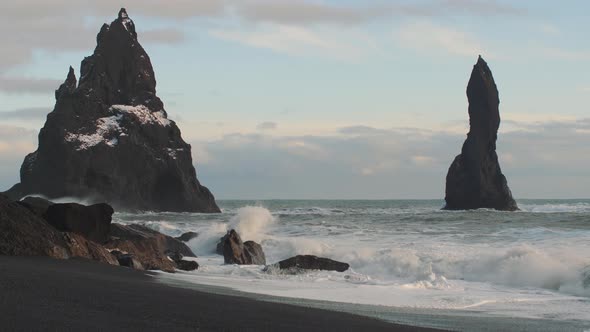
72,230
310,262
127,260
237,252
474,179
93,222
109,138
149,247
81,247
185,237
23,233
36,204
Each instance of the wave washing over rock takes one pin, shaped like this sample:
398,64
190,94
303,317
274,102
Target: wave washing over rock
533,263
109,137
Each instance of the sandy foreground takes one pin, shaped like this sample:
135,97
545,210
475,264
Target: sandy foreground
46,294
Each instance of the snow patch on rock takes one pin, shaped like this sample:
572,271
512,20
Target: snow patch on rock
106,129
143,114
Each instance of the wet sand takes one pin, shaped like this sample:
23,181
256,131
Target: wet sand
40,293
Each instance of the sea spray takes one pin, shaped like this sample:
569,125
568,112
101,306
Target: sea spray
405,253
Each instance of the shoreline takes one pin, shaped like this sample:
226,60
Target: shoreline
424,318
77,294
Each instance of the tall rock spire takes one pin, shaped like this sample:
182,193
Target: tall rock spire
475,179
109,137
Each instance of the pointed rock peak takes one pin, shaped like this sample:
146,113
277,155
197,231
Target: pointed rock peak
482,66
126,21
123,13
68,86
71,75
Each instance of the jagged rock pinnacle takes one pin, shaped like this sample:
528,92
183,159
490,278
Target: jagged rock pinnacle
475,179
68,86
123,13
109,138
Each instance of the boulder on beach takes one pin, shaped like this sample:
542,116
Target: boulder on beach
474,179
24,233
148,246
109,138
127,260
93,222
310,262
237,252
37,205
185,237
81,247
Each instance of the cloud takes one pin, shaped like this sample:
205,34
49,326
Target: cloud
163,36
15,144
299,40
303,12
368,162
308,12
268,125
26,113
563,54
428,37
19,85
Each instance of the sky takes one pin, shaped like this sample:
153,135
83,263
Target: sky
325,99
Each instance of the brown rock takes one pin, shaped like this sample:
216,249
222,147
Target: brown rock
149,247
237,252
81,247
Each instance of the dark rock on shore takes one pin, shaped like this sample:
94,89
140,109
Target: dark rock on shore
36,204
79,246
109,138
93,222
310,262
474,179
254,250
127,260
23,233
149,247
187,236
237,252
186,265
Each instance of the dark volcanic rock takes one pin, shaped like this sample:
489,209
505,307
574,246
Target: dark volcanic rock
475,179
37,205
149,247
187,236
310,262
127,260
237,252
93,222
187,265
254,250
109,137
23,233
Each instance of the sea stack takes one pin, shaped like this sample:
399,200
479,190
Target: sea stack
109,138
475,179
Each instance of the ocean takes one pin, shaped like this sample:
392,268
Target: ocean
404,255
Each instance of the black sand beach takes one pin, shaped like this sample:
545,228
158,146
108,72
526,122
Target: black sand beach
47,294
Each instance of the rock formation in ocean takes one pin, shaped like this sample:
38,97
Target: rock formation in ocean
242,253
475,179
309,262
109,137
